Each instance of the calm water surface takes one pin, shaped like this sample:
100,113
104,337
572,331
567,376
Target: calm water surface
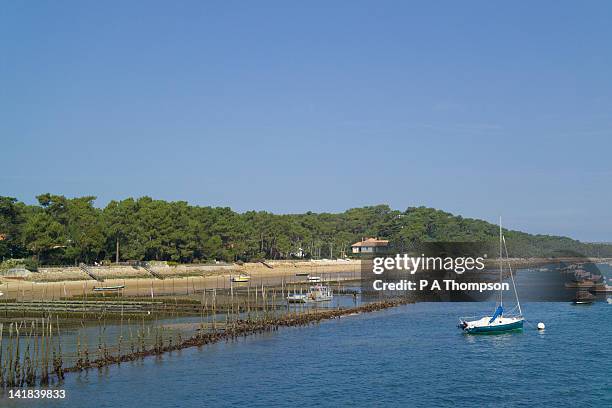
406,356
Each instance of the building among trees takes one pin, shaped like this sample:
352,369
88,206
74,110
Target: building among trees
370,246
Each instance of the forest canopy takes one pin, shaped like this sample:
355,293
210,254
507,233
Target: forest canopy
61,230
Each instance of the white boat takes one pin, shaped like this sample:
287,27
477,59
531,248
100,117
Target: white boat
318,293
314,279
609,300
500,321
495,324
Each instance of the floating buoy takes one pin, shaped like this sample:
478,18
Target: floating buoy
541,326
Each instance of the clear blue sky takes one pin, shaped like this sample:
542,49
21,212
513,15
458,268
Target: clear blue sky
478,108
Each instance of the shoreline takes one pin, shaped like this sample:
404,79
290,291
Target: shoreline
255,269
65,282
267,269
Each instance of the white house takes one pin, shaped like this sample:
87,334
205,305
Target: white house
370,246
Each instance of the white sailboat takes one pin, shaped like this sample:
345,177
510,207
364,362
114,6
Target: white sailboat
502,320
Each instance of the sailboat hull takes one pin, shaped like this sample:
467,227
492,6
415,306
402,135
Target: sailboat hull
499,328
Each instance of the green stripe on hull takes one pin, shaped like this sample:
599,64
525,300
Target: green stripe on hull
496,329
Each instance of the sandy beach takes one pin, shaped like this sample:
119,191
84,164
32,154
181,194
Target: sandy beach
56,283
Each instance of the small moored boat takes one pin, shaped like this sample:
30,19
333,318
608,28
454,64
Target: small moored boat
495,324
241,278
583,297
318,293
499,322
314,279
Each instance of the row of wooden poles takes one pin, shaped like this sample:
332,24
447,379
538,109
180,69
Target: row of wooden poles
38,359
31,351
231,330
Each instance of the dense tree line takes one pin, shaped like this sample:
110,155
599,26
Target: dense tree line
62,230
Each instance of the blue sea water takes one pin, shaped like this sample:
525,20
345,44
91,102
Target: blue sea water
409,356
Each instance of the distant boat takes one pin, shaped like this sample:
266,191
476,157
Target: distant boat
583,298
609,300
314,279
318,293
108,288
241,278
499,322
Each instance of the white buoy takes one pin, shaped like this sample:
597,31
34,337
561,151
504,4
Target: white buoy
541,326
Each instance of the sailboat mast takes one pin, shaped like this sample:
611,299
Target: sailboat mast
501,266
